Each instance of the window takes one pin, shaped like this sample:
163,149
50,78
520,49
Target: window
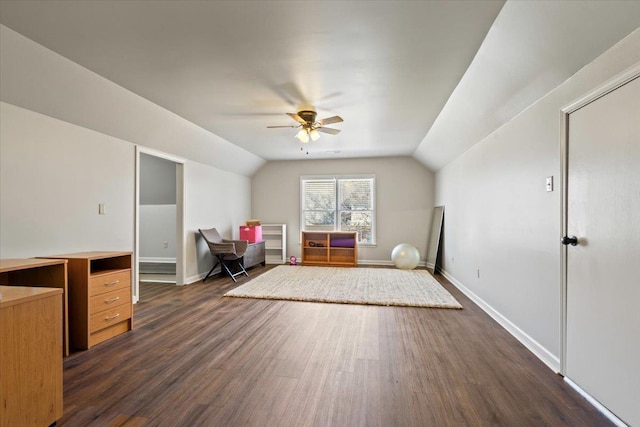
340,203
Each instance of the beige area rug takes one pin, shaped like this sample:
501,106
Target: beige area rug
375,286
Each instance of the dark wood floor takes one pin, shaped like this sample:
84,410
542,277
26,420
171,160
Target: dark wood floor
198,359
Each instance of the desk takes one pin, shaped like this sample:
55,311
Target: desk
49,273
30,356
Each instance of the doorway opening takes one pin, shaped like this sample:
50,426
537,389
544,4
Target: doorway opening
159,246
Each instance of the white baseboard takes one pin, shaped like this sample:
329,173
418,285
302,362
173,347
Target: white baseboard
168,282
386,263
549,359
198,277
375,262
158,260
607,413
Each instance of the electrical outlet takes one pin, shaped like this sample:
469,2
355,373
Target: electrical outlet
165,245
101,210
453,259
478,273
549,183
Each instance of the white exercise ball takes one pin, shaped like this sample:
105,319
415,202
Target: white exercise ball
405,256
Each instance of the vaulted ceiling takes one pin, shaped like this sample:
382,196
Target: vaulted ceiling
423,78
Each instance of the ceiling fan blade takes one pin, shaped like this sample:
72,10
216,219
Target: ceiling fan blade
329,130
329,120
297,118
273,127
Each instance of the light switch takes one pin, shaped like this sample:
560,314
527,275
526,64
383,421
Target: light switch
101,209
549,183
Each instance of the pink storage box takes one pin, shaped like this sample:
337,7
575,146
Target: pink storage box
252,233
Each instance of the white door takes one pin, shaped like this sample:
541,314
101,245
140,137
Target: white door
603,269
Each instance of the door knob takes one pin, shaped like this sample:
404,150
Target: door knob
569,240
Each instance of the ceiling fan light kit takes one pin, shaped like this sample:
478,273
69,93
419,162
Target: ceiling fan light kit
310,128
303,135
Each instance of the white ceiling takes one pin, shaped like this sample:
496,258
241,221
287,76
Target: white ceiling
388,68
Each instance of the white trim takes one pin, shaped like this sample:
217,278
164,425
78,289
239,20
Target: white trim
385,263
601,408
339,176
135,291
158,260
181,240
161,154
198,277
564,128
612,84
375,262
181,235
553,362
169,282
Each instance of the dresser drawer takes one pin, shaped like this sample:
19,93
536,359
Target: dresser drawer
109,317
103,283
110,300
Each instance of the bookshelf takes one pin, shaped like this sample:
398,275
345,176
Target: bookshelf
275,240
330,248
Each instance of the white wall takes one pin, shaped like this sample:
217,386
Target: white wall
499,218
157,227
213,199
53,175
157,180
404,199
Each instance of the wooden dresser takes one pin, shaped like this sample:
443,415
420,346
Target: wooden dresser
99,296
30,356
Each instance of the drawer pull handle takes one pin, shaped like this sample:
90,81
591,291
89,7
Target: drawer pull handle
111,317
115,282
109,301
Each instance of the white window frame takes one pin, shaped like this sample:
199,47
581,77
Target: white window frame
336,218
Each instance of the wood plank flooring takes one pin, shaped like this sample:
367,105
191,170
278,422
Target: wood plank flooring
195,358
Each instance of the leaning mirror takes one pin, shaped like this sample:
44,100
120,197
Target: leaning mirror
433,247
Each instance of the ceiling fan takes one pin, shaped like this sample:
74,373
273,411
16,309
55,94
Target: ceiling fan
309,127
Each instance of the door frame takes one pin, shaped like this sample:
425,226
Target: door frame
614,83
180,240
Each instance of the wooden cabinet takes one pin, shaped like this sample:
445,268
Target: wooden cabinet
275,239
99,296
330,248
254,255
30,356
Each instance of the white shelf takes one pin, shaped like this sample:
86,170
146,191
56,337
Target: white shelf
275,238
273,244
